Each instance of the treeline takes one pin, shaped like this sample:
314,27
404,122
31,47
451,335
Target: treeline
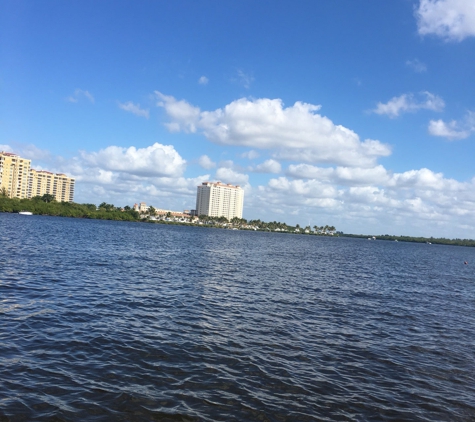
434,240
46,205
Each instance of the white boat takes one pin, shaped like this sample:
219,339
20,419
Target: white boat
25,213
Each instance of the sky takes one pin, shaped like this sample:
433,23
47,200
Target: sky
356,114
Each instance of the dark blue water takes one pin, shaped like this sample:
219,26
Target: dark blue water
103,320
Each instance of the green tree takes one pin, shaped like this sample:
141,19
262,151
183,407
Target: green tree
107,207
47,197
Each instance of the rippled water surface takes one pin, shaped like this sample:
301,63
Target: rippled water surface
103,320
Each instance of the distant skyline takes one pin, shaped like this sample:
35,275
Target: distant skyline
359,115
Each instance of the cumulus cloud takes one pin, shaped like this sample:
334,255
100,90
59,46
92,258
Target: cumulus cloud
228,175
251,154
376,176
297,132
155,160
423,179
452,20
134,109
203,80
126,175
374,199
176,193
352,176
184,116
80,93
453,130
309,188
268,166
409,103
447,130
206,162
416,65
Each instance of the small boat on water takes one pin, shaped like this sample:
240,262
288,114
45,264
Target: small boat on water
25,213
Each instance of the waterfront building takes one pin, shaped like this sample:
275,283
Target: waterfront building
41,182
21,181
219,200
14,174
142,207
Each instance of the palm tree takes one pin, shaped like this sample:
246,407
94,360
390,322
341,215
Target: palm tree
4,192
47,197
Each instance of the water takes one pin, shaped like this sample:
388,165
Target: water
104,320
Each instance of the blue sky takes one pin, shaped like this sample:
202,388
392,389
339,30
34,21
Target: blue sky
355,114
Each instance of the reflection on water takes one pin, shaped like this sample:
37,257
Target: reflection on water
122,321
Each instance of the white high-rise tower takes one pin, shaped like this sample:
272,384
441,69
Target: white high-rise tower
219,200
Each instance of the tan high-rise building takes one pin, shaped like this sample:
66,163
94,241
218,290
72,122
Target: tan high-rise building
219,200
14,172
44,182
21,181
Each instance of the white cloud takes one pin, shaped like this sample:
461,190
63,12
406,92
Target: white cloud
423,179
229,164
447,130
418,202
416,65
206,162
295,133
79,93
184,116
309,188
134,109
408,103
452,20
376,176
203,80
268,166
155,160
126,175
453,130
352,176
251,154
228,175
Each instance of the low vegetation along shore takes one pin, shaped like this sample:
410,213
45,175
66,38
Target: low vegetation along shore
46,205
